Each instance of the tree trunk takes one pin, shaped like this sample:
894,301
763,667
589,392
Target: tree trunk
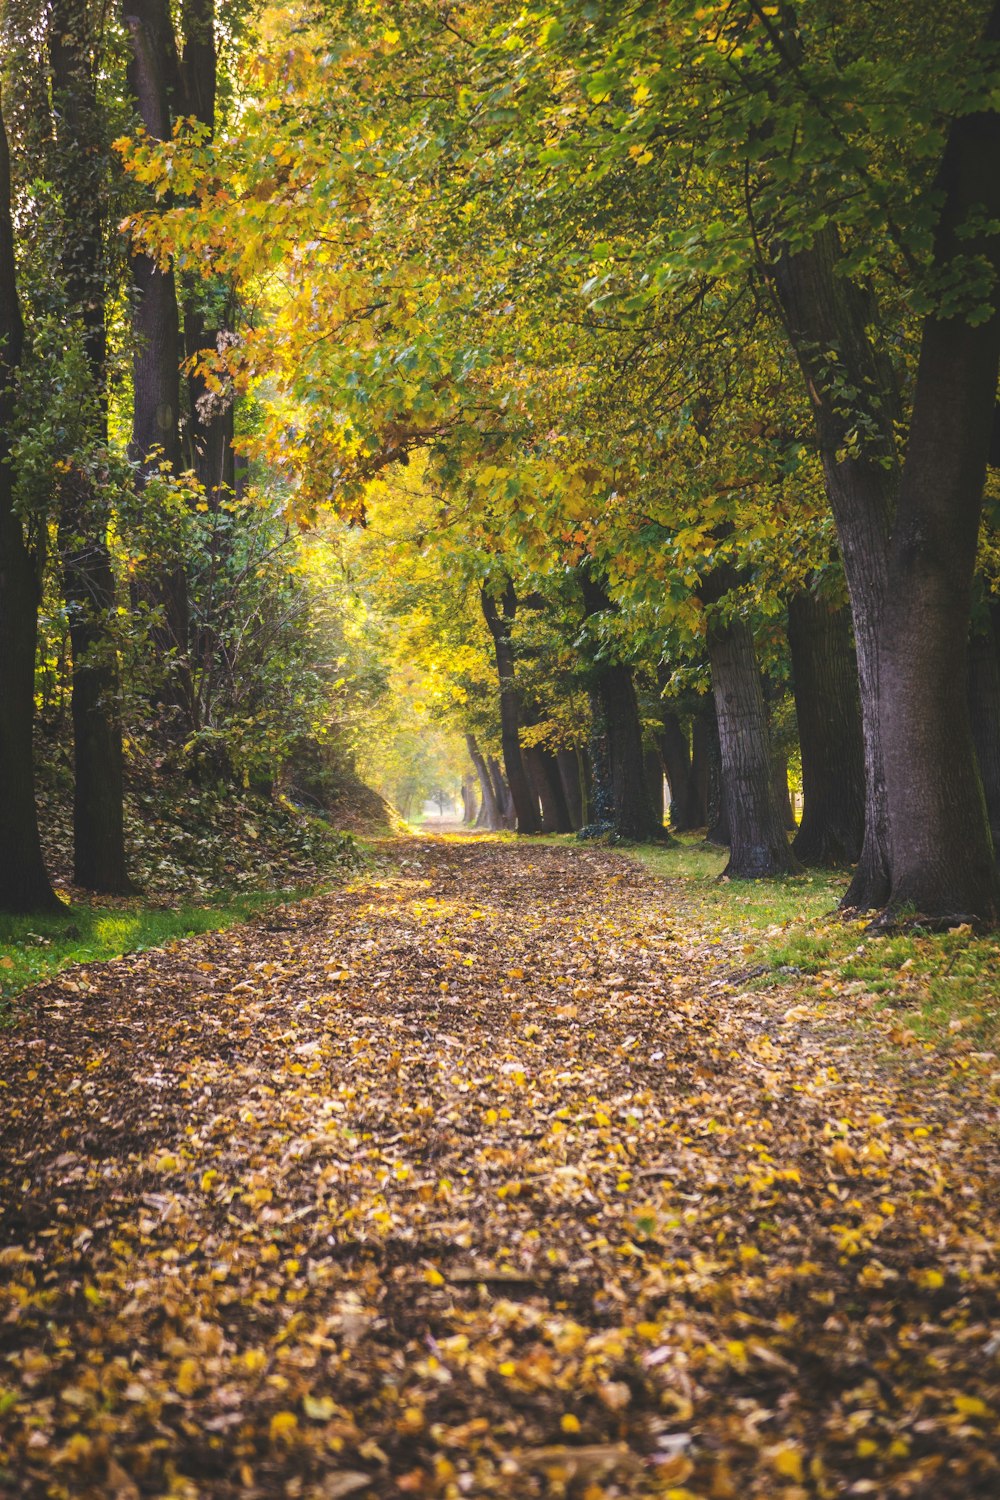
828,709
632,815
24,883
654,783
544,773
706,770
911,592
828,315
154,79
568,762
782,795
675,755
717,818
207,305
984,712
88,580
537,780
489,813
560,807
501,792
942,855
758,843
500,627
99,781
618,758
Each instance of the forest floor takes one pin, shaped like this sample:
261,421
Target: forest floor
490,1174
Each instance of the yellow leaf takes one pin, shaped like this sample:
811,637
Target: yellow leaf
787,1461
284,1426
319,1408
971,1406
188,1378
569,1423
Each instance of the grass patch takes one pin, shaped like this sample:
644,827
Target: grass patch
939,987
32,949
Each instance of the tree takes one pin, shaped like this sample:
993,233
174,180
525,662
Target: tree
80,161
24,884
825,680
154,79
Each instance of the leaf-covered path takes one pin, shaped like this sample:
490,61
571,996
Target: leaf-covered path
477,1178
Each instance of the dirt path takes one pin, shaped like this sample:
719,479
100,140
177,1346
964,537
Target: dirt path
474,1180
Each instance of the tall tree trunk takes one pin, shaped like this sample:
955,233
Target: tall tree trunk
675,755
632,815
654,783
154,78
911,589
570,775
618,759
207,306
563,817
827,318
24,883
828,709
99,779
502,794
984,712
758,843
469,808
544,773
705,766
782,793
534,770
489,813
942,855
500,621
88,580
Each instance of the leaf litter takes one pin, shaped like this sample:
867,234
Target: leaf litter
477,1177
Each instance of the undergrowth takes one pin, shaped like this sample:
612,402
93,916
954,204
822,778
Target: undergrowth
34,948
941,988
204,865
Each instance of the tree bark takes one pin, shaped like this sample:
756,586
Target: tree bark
675,756
927,842
559,809
943,865
782,794
631,813
154,79
828,709
502,794
984,713
544,773
617,740
568,762
489,813
758,843
705,767
500,621
536,780
826,314
654,783
88,580
209,423
24,883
